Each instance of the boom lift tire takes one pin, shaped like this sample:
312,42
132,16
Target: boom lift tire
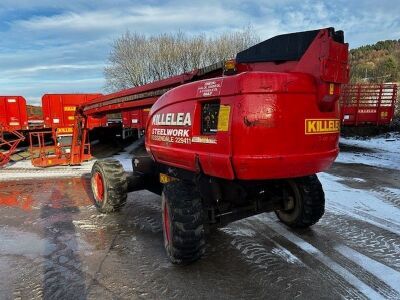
109,185
183,222
308,204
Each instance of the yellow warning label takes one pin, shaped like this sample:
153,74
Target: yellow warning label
223,117
71,118
331,88
69,108
322,126
65,130
164,178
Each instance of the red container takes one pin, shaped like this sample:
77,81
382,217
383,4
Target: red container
13,114
59,110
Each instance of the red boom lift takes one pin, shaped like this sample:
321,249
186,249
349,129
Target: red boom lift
232,140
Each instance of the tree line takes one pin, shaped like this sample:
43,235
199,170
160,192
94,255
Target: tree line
376,63
136,59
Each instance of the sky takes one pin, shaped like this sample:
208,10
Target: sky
56,46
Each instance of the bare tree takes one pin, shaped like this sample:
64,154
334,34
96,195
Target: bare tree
136,59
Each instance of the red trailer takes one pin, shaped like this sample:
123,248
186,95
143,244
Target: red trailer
368,104
13,115
59,111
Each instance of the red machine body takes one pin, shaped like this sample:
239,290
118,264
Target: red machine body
277,118
13,115
363,104
231,141
59,111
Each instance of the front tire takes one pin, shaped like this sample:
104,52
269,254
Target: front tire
183,228
109,185
308,202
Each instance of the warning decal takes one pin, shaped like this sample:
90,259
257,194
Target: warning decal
367,111
210,88
65,130
204,140
223,117
69,108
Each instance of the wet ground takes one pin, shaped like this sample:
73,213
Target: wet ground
54,245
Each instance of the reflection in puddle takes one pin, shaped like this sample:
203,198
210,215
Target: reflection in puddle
58,193
46,236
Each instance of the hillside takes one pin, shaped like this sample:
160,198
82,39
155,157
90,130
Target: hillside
379,62
34,110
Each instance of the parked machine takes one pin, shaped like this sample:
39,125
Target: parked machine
227,142
368,104
59,118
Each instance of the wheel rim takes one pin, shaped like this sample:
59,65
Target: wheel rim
291,214
166,225
98,186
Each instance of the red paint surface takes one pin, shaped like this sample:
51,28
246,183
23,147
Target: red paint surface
135,118
13,115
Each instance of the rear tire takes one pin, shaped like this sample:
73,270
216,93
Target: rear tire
109,185
308,202
183,227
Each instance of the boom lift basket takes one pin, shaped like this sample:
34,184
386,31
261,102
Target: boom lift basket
44,154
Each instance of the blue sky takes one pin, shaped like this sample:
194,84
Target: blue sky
50,46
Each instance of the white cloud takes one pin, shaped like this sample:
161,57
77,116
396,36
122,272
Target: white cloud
63,45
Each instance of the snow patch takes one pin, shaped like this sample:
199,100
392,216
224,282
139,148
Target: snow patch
321,257
388,275
381,151
355,200
25,170
15,242
286,255
244,232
